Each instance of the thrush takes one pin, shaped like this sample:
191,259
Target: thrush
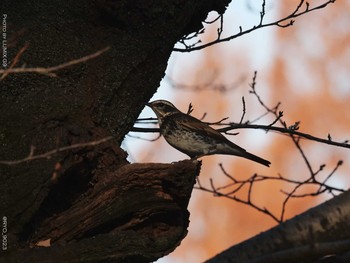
194,137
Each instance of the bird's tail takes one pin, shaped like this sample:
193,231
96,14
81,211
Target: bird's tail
230,148
255,158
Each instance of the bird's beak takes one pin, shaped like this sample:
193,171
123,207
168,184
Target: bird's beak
148,104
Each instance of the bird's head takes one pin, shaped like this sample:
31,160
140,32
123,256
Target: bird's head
162,108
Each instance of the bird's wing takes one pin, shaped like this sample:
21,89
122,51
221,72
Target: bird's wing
195,125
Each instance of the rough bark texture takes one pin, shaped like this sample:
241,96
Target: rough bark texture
320,231
135,214
89,201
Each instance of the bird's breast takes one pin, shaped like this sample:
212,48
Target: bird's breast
184,140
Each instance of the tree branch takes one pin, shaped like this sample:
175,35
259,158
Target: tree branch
289,19
50,70
312,234
47,155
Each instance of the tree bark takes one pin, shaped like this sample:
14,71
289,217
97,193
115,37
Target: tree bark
319,232
135,214
89,201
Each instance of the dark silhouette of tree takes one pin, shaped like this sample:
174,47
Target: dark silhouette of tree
79,73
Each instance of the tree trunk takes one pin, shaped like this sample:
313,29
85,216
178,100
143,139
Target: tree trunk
88,201
136,214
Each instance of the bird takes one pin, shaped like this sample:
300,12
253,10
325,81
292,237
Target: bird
194,137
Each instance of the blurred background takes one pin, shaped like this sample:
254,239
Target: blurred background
306,67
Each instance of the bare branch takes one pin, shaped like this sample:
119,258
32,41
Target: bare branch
145,139
235,126
283,22
243,110
262,13
232,189
50,70
47,155
214,190
15,60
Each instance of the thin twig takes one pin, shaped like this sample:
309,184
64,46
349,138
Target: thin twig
15,60
50,70
47,155
243,110
279,23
